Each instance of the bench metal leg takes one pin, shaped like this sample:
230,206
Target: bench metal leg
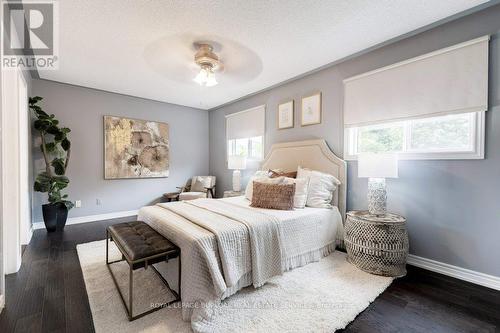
130,293
179,286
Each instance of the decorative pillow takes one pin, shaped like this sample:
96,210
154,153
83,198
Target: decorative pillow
273,196
261,176
199,183
300,197
280,173
321,187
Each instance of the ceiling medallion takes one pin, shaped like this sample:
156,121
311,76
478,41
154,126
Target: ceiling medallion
208,62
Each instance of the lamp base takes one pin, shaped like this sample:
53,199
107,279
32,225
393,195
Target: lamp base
236,180
377,196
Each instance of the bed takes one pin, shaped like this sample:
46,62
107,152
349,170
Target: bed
227,245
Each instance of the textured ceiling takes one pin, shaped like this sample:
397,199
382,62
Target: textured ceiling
145,47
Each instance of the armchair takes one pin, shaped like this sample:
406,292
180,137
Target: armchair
198,187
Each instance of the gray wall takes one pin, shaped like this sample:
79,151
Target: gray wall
452,207
82,110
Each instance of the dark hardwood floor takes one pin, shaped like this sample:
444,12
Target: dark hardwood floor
48,294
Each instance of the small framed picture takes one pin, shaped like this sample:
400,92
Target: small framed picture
311,110
285,115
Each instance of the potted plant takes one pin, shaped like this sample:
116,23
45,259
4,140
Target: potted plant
56,149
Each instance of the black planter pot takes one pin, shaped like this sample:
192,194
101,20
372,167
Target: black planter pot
54,216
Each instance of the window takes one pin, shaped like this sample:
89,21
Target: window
457,136
245,133
251,148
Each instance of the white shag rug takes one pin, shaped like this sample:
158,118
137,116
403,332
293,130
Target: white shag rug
319,297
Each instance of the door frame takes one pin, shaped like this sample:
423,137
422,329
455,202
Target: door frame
25,221
14,230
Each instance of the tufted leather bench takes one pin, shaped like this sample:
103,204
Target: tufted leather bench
141,246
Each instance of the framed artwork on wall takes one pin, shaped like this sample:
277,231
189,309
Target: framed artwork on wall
285,115
311,110
135,148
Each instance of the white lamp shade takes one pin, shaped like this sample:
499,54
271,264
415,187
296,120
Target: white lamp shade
236,163
378,166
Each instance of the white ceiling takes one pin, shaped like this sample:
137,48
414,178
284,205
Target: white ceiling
145,47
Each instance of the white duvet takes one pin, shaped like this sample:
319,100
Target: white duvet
227,245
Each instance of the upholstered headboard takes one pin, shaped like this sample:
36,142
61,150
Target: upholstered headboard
311,154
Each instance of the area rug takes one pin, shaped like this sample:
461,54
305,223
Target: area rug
319,297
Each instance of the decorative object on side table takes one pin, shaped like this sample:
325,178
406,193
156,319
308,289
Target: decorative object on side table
377,167
377,244
236,163
229,194
285,115
56,150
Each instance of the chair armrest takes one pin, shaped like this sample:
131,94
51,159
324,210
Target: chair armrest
181,188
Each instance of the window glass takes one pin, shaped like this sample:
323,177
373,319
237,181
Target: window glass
378,139
442,133
422,138
256,151
251,148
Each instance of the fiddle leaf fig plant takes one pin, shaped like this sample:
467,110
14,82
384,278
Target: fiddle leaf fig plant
56,150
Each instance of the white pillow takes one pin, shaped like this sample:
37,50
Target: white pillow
320,189
260,176
301,184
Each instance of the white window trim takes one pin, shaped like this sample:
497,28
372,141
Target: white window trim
477,151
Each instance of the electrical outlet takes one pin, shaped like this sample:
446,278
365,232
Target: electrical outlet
98,202
78,203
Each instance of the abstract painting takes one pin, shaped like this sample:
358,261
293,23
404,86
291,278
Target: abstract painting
135,148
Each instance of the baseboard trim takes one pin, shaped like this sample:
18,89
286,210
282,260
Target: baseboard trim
91,218
2,302
482,279
30,235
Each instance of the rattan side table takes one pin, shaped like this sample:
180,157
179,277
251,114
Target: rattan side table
377,244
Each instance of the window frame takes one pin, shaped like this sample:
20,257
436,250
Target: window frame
476,151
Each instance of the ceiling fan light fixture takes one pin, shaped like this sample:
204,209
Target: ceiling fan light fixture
208,62
211,81
201,77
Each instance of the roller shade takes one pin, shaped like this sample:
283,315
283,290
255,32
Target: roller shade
450,80
246,124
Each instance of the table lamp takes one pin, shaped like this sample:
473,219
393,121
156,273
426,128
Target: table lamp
236,163
377,167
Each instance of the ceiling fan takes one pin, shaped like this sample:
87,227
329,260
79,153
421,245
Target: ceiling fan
208,62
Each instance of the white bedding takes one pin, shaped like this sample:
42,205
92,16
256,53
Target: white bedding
328,222
307,235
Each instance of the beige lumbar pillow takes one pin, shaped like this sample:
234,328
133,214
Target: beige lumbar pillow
301,185
260,176
273,196
321,187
